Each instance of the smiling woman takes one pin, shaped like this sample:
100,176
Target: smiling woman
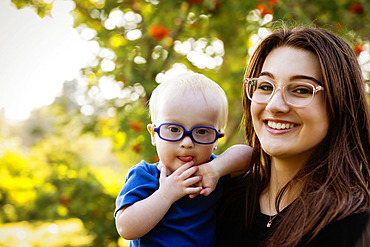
37,56
287,67
308,120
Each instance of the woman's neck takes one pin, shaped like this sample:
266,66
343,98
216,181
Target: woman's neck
282,172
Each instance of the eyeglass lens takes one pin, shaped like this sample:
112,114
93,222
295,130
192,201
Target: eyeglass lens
295,93
176,132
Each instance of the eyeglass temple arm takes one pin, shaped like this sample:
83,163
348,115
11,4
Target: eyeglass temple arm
220,134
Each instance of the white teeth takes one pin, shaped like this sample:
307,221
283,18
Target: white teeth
279,126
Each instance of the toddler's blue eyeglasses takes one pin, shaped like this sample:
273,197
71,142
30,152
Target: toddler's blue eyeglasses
200,134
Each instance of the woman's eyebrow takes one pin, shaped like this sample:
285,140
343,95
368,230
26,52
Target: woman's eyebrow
305,77
292,78
266,74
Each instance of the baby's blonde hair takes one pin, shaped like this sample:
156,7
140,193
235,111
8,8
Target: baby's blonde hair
196,83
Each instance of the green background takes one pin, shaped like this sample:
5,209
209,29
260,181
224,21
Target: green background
60,170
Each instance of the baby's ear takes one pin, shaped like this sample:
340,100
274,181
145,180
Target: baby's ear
150,128
215,145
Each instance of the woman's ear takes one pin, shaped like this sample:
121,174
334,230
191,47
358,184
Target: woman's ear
150,128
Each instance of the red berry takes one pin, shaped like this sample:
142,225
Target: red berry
158,32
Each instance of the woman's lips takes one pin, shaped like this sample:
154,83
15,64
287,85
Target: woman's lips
280,125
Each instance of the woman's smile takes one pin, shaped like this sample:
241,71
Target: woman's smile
277,125
285,130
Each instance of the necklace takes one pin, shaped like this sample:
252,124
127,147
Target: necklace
271,218
270,221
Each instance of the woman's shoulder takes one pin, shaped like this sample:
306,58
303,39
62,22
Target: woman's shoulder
354,230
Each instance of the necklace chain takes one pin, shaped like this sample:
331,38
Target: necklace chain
271,218
270,221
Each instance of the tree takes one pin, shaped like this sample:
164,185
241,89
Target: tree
143,39
141,42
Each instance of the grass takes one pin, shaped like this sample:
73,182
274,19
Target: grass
69,232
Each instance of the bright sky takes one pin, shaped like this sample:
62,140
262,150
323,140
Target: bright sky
36,56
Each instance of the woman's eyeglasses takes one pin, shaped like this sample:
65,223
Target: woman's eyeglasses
298,94
200,134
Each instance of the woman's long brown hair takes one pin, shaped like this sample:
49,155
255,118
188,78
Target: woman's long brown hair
336,178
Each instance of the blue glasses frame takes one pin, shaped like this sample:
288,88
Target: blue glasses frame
189,133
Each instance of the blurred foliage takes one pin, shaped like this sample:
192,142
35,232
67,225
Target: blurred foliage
69,159
141,40
54,182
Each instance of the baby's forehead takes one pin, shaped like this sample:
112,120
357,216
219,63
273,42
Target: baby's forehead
187,100
199,95
172,90
191,93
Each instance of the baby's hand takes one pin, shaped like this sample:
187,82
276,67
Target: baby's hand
209,181
180,183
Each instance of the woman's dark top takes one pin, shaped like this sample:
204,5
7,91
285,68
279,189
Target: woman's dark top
352,231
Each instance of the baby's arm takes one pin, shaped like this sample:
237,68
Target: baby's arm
136,220
235,161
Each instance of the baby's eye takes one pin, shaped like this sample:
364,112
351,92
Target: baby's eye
174,129
202,131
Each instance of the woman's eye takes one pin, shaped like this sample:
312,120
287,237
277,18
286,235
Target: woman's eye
302,90
266,87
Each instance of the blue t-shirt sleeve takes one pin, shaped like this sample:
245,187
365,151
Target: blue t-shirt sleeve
213,156
141,182
225,178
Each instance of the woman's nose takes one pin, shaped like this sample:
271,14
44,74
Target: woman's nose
277,103
186,142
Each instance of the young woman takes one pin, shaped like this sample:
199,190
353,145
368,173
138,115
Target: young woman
308,120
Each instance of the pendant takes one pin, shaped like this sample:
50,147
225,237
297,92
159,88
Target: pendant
269,223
